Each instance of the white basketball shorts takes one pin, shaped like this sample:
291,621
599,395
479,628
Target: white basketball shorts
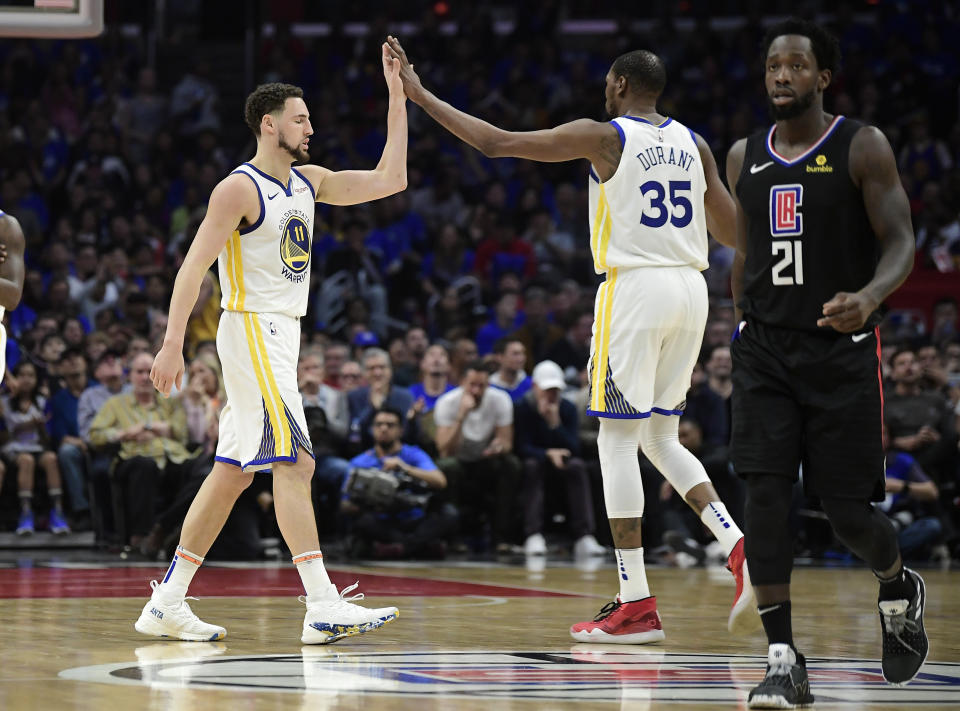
647,330
263,421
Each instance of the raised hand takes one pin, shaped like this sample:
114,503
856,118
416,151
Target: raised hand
411,82
391,70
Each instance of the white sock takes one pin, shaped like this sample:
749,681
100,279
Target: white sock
721,525
314,576
633,576
181,571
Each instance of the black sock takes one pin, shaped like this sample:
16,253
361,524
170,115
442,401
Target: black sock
898,587
777,623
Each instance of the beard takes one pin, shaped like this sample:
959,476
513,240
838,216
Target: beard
299,155
792,110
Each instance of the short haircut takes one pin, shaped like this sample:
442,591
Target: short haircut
825,47
500,345
376,353
388,410
477,364
906,348
267,99
644,71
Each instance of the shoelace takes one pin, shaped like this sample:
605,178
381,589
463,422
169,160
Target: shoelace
897,624
358,596
607,610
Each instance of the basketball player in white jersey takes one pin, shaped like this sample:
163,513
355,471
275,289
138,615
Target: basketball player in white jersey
654,192
259,224
11,275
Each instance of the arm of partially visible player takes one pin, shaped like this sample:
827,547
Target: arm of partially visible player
350,187
734,166
721,212
874,169
583,138
232,200
11,270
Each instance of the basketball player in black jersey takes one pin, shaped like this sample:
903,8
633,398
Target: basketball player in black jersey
823,237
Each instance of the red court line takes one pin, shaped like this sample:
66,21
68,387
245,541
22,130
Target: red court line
232,582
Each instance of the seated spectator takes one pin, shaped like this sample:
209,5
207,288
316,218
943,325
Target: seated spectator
403,362
464,351
510,377
378,392
412,525
29,446
64,427
573,351
921,423
151,432
434,373
548,444
475,443
203,399
334,355
351,376
537,334
911,504
506,318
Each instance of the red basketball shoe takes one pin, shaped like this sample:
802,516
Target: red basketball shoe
636,622
744,616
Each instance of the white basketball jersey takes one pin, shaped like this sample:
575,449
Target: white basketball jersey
265,267
650,213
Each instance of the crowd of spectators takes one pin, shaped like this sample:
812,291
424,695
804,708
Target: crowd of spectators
440,303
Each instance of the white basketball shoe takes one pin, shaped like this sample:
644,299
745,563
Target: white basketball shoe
160,619
337,616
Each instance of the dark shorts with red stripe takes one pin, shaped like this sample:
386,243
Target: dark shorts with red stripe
808,398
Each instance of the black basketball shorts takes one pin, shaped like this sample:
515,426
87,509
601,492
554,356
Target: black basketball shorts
809,398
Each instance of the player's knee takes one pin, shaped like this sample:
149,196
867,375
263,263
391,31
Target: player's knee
850,518
768,544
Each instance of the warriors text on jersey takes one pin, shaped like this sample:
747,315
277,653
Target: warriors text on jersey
808,234
265,267
649,214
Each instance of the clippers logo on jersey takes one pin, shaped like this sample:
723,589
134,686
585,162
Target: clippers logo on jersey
295,246
785,217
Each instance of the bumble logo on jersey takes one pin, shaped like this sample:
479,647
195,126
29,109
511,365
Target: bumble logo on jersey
294,245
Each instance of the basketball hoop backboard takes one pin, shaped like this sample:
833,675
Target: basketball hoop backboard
51,18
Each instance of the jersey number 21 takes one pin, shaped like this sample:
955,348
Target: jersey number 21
786,220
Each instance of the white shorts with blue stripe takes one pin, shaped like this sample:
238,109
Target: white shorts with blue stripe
647,330
263,421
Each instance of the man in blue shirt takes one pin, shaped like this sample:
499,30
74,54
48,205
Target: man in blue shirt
411,527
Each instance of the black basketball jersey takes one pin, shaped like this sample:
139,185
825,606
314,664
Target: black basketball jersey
808,235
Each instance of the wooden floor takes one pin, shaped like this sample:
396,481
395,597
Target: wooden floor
475,637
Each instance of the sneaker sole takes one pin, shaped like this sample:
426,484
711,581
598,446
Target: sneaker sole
599,636
147,625
330,633
745,616
775,702
923,595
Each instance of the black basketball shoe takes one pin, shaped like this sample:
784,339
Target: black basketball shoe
786,685
904,639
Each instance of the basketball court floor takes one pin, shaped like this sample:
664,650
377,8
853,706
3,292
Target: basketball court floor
472,636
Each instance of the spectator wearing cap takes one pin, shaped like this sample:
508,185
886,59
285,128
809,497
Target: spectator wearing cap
548,443
379,392
510,377
364,338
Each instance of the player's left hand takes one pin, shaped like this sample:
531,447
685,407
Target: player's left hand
411,82
847,312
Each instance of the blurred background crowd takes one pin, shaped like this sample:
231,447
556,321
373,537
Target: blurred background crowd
476,282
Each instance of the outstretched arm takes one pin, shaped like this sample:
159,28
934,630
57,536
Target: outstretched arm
11,269
874,169
597,142
350,187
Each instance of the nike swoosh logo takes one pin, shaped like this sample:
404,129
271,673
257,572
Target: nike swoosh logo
757,168
271,197
859,337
